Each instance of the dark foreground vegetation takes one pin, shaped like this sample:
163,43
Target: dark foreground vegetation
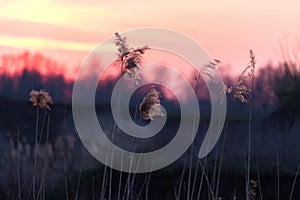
65,170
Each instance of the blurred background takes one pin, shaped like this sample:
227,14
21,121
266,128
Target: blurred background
42,45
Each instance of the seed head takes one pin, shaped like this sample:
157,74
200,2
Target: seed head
252,190
150,105
241,91
130,58
40,98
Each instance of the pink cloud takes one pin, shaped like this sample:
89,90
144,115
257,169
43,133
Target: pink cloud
19,28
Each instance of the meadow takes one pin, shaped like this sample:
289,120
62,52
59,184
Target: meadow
257,156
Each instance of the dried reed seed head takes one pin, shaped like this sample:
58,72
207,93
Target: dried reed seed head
121,43
252,58
145,105
145,115
207,69
130,58
253,183
150,105
155,110
40,98
252,190
241,98
134,74
240,89
226,89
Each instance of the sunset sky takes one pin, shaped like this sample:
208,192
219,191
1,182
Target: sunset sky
67,30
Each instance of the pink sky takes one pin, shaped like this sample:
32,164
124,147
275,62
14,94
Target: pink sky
67,30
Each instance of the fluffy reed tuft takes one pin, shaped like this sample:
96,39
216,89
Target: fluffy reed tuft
150,105
130,58
40,98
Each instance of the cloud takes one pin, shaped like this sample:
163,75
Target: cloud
40,43
44,11
21,28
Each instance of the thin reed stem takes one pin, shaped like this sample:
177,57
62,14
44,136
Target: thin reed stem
194,180
278,175
223,144
18,164
120,179
65,160
93,188
250,122
79,176
35,151
294,183
259,182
